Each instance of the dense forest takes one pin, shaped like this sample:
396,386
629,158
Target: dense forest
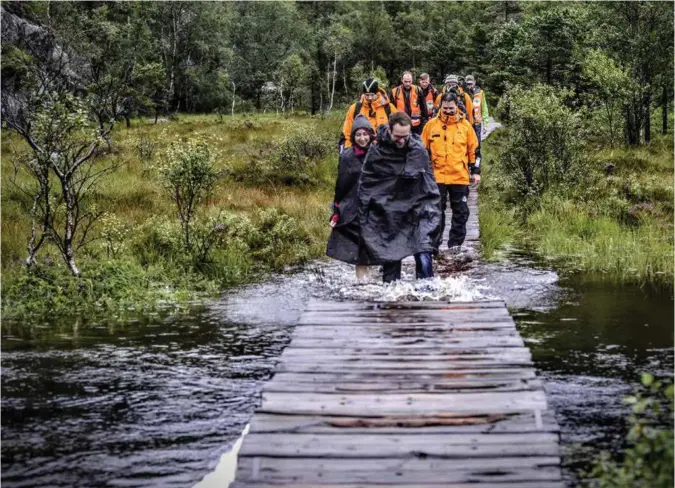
167,57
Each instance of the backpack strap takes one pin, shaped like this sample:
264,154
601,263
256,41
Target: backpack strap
357,109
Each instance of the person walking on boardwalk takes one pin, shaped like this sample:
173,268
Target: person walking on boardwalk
408,98
399,201
343,243
479,109
452,86
429,93
451,142
373,104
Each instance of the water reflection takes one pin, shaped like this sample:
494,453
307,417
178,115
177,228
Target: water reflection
158,402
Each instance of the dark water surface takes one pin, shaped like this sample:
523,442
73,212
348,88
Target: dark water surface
157,403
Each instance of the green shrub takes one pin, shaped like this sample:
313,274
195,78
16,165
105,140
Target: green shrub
278,240
648,461
542,147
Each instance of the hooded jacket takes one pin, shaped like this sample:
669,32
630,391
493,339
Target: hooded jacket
375,113
343,243
452,143
399,201
462,96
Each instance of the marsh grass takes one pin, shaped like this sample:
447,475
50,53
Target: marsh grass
145,273
617,222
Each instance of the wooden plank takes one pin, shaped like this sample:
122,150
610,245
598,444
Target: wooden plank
409,330
405,352
520,484
406,376
414,425
401,404
388,471
475,343
428,314
394,446
325,306
402,387
462,368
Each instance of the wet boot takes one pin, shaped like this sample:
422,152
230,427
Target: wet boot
423,266
391,271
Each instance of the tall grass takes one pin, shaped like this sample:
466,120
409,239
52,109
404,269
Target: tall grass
617,221
134,196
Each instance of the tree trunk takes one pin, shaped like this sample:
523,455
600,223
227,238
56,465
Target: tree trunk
664,111
68,250
647,113
234,91
332,91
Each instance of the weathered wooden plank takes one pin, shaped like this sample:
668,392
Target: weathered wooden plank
401,404
496,424
465,367
475,342
404,352
431,377
440,331
408,470
374,484
431,314
401,386
325,306
393,446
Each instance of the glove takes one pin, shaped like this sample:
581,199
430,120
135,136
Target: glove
336,215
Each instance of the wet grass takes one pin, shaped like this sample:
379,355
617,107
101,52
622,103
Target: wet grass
145,278
616,222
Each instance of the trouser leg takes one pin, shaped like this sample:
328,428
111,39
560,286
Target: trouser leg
478,128
459,196
443,189
391,271
423,266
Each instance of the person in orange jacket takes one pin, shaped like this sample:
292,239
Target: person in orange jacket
429,93
374,105
451,142
408,98
452,86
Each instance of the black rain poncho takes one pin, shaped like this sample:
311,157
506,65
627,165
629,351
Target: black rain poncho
343,243
399,201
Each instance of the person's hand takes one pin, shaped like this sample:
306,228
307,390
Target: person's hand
475,180
334,220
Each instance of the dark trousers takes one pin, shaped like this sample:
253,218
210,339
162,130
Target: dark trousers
423,268
478,128
459,203
417,129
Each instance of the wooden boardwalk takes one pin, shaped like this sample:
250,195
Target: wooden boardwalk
423,394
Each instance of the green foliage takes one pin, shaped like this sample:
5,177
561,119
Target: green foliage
543,141
648,460
277,237
188,175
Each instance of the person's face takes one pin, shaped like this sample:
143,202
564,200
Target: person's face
424,82
451,85
449,108
371,97
362,138
400,134
470,84
407,81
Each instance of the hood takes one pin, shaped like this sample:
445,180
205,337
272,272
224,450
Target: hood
361,122
381,101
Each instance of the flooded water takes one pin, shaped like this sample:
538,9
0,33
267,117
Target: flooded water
159,403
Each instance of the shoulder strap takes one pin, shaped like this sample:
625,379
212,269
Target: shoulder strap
387,110
357,108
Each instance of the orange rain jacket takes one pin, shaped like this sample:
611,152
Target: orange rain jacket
376,114
452,143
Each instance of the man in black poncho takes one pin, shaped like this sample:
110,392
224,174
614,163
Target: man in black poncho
399,201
